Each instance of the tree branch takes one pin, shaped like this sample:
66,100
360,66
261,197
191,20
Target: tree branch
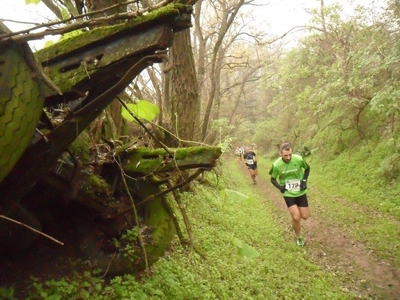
32,229
25,35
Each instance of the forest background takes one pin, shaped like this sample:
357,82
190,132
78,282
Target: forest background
334,93
245,84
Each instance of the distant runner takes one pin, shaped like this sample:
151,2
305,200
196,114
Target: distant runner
251,163
241,151
292,172
238,153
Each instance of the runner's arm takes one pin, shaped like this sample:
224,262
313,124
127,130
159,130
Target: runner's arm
277,185
306,173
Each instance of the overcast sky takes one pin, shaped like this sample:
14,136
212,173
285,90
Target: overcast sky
281,15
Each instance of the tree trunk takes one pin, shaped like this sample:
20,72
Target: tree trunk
185,105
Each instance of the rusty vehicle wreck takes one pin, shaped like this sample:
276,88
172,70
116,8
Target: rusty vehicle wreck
52,185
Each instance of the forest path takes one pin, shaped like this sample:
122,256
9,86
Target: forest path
329,246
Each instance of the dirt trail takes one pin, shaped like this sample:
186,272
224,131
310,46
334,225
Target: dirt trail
328,246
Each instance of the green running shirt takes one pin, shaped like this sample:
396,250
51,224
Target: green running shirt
290,174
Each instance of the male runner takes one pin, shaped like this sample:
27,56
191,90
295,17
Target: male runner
251,163
292,172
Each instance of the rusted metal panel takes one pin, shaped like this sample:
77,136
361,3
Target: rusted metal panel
104,53
75,71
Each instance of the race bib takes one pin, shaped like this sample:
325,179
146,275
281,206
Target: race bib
250,161
293,185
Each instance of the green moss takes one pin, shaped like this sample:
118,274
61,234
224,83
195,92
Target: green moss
75,42
99,184
146,161
65,80
184,153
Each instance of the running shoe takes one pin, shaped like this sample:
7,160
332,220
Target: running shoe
300,242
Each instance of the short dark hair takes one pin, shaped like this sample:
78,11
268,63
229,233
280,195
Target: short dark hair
285,146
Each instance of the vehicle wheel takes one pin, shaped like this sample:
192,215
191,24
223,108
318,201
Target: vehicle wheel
21,103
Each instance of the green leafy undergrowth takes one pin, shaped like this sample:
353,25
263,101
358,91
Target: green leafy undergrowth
229,213
244,254
357,175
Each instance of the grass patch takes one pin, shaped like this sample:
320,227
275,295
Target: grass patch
349,192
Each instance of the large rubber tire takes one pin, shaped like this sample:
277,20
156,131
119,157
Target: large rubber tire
21,103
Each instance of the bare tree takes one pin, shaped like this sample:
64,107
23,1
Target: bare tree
215,38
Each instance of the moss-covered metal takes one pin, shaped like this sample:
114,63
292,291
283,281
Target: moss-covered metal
147,161
158,220
166,14
66,72
76,59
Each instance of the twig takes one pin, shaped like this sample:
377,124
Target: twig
186,142
178,229
170,189
185,217
109,264
186,221
140,238
64,21
144,127
30,228
162,193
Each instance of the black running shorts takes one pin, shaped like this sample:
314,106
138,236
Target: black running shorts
300,201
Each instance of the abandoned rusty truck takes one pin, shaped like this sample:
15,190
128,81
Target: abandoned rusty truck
55,189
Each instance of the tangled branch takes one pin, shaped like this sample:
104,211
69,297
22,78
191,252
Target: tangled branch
27,35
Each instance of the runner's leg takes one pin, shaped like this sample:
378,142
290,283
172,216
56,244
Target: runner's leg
302,203
304,213
295,213
252,174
